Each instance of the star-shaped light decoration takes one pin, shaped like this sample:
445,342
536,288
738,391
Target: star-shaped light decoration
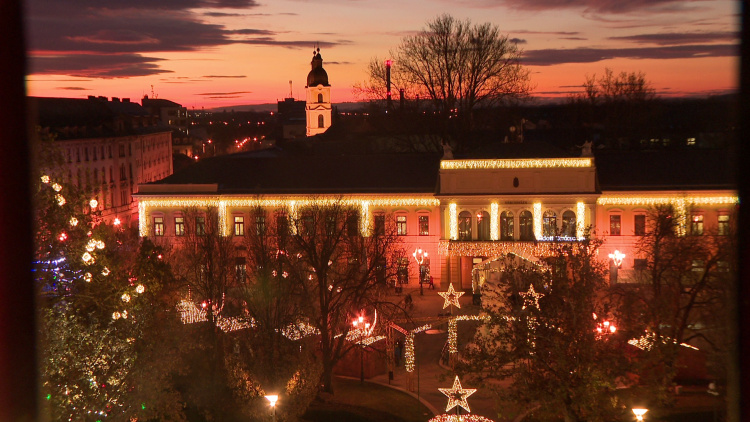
451,297
457,395
530,297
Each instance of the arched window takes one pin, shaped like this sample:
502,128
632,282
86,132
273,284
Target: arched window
464,225
569,224
483,226
321,121
506,225
320,98
549,224
526,225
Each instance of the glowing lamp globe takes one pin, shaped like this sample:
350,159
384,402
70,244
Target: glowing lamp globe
639,412
272,398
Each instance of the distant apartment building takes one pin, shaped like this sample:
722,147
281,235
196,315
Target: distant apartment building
108,148
169,112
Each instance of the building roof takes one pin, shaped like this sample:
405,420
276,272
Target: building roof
317,75
275,172
158,103
677,169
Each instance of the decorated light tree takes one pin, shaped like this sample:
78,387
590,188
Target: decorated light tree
96,297
542,335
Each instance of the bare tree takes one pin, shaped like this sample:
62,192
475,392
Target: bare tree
330,273
682,293
457,65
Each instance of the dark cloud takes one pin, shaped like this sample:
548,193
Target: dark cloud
517,41
73,88
338,63
223,76
96,65
574,38
548,57
212,94
86,37
526,31
597,6
677,38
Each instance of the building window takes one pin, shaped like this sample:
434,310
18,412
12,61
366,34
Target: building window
331,230
464,225
240,270
158,226
85,153
483,225
696,225
121,149
123,175
401,225
640,264
123,197
307,224
379,224
179,226
549,224
321,121
698,265
615,224
424,225
200,226
526,225
320,98
639,223
569,224
352,224
282,224
260,224
402,271
506,225
239,226
723,227
722,266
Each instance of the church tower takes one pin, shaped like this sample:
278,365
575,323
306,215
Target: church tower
318,103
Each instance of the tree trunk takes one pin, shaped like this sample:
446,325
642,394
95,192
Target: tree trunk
327,376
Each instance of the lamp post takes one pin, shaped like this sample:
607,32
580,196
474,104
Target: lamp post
273,398
639,412
420,256
616,258
360,325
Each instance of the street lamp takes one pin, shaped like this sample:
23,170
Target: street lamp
639,412
420,256
362,327
273,398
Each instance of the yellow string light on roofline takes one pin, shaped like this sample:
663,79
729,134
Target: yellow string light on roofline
665,200
524,249
516,163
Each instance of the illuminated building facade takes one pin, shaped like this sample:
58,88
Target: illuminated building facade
459,214
108,147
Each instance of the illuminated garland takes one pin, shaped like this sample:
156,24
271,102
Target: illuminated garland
525,250
292,203
538,219
516,163
453,329
666,200
453,220
494,219
409,347
646,342
580,220
190,314
451,297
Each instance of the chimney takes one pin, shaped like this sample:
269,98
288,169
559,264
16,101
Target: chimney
115,99
126,100
91,97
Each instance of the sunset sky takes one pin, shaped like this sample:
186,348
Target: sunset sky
217,53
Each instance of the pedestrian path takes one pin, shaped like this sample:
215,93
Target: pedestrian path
429,375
